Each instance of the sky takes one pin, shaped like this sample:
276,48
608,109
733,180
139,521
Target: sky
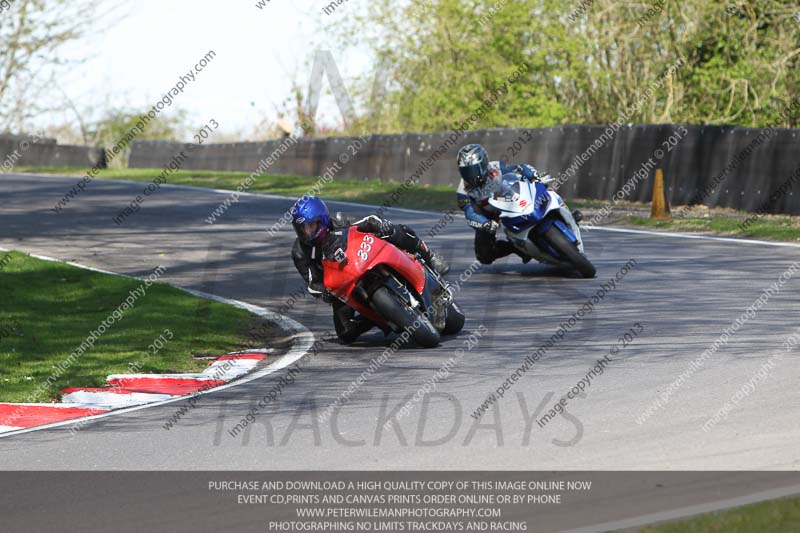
259,52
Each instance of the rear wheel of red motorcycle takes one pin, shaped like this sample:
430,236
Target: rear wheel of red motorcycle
403,317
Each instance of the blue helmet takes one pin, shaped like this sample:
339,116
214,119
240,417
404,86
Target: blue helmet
473,164
311,220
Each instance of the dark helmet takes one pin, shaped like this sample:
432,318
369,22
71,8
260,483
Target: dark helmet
473,164
311,220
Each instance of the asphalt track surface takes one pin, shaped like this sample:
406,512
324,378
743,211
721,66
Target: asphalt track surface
683,292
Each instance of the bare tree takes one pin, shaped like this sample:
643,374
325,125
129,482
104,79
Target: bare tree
32,35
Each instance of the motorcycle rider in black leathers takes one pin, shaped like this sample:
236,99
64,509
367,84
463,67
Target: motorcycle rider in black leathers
319,235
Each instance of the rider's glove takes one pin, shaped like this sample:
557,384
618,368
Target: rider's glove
546,179
375,225
526,171
490,226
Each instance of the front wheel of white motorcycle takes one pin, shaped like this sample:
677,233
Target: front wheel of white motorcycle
567,249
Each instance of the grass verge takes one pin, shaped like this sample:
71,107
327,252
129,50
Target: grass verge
442,197
49,309
778,228
776,515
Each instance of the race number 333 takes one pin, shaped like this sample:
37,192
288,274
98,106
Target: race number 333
366,247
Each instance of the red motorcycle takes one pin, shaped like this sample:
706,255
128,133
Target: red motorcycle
393,289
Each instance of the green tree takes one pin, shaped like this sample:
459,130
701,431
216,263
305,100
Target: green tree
589,62
116,123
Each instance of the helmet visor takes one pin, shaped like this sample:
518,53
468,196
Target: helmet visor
310,230
471,173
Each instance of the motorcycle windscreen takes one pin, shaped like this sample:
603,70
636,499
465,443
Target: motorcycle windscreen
511,197
520,203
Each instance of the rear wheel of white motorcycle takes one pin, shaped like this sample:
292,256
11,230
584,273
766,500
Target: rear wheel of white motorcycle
404,317
568,249
455,320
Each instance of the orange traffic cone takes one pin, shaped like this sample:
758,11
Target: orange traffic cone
660,209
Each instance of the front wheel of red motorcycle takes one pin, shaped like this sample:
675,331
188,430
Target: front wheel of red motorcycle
405,318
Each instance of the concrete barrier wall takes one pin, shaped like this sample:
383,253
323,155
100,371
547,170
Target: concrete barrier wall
26,150
714,158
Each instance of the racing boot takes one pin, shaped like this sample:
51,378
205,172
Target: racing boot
577,215
435,260
347,324
440,301
525,257
504,248
439,264
354,328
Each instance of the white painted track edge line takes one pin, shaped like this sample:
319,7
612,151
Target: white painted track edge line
690,236
422,212
303,340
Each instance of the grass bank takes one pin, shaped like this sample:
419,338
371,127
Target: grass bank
777,515
777,228
48,309
442,197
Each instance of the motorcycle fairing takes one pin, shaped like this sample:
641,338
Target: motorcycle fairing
366,253
526,207
525,204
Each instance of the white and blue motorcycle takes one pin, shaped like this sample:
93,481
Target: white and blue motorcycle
538,223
